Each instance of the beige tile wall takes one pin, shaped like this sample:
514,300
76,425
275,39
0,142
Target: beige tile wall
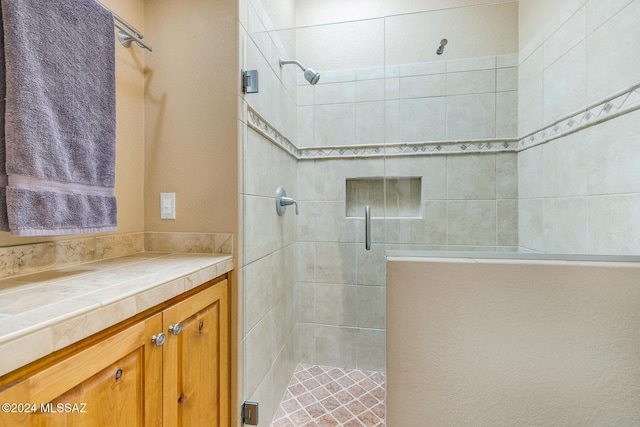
542,199
465,202
311,293
468,202
267,275
432,101
572,62
27,259
31,258
579,193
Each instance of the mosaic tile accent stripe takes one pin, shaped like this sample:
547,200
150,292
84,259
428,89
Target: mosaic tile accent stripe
263,127
411,149
614,106
322,396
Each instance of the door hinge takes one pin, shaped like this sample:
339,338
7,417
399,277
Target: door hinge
250,81
250,413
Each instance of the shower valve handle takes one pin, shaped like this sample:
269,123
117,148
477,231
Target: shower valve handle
288,201
282,201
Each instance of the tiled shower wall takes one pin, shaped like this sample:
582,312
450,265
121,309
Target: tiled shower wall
308,284
432,101
468,202
267,275
580,192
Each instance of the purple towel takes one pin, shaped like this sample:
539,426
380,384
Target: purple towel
59,121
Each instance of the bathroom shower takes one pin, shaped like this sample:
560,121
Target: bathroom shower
309,73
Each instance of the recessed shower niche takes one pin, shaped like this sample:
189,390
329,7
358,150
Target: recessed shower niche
402,200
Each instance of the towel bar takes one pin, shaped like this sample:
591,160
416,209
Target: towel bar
128,33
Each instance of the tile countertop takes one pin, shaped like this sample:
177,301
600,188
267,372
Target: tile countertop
46,311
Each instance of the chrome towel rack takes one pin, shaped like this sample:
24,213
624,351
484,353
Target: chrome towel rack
127,33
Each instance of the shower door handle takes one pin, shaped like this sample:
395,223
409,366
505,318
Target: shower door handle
367,227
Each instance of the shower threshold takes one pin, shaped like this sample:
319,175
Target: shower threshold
323,396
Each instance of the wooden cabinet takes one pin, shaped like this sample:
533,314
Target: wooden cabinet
196,364
103,384
122,377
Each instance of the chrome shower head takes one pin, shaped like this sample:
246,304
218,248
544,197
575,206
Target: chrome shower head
311,76
443,43
309,73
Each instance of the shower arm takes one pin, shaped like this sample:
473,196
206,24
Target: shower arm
309,73
292,61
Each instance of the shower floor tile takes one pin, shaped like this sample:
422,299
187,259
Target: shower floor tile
322,396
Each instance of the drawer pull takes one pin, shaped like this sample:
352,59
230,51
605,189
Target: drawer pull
159,339
175,329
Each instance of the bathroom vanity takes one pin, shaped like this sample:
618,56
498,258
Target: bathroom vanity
159,358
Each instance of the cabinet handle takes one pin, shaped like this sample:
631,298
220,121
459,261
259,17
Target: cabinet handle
159,339
175,329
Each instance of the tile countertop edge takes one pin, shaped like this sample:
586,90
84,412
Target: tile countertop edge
29,343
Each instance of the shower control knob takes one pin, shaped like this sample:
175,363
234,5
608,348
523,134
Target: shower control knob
175,329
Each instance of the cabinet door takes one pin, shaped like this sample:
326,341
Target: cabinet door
196,360
116,382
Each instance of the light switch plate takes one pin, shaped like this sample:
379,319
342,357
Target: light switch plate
167,205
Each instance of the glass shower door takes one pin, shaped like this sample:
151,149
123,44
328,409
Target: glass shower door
451,130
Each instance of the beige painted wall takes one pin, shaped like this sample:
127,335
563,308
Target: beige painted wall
191,85
129,132
512,343
181,101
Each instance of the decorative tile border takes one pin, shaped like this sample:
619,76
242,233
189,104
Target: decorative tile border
614,106
263,127
411,149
